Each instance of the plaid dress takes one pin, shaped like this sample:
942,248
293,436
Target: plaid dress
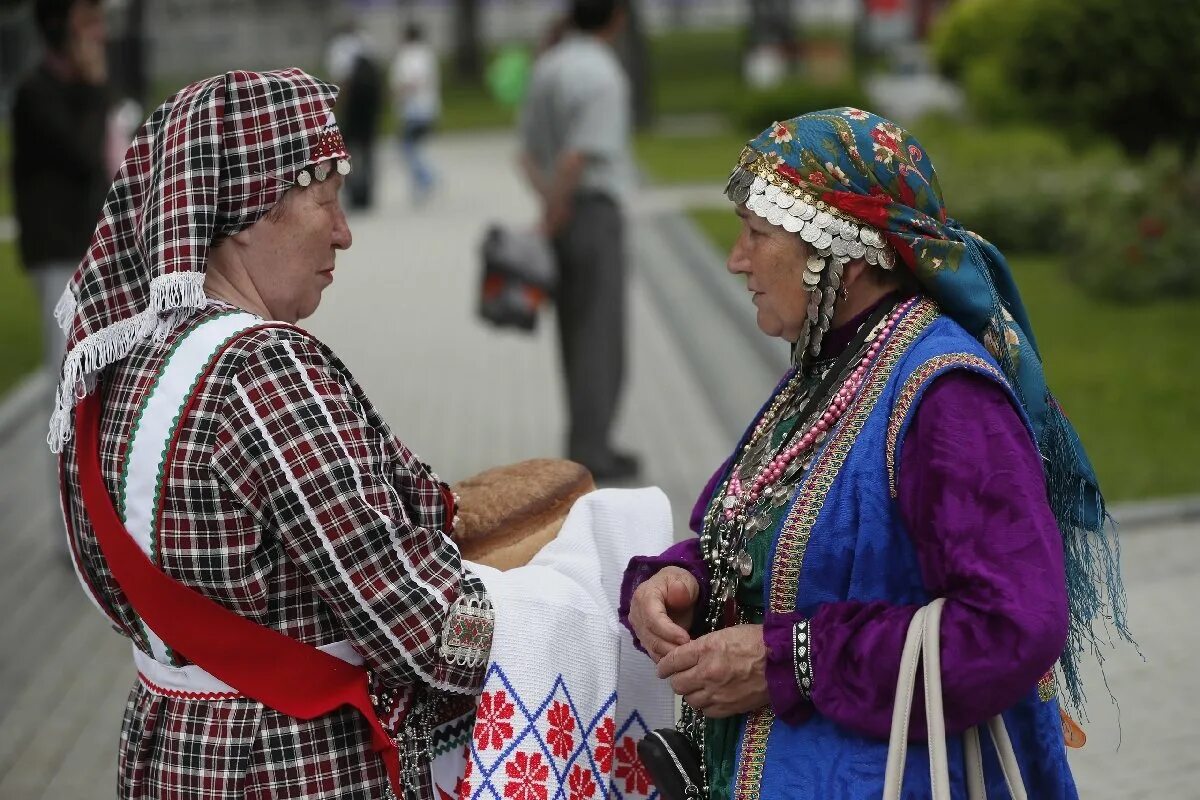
290,502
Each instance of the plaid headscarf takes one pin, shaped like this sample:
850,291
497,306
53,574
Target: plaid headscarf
211,160
870,170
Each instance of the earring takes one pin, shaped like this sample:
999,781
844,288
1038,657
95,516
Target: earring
845,294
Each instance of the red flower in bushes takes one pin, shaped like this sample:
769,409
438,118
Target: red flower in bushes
1151,227
1133,254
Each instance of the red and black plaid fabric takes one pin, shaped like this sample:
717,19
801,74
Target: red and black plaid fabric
290,502
211,160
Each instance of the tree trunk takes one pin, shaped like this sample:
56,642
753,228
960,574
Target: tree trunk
771,23
634,50
468,48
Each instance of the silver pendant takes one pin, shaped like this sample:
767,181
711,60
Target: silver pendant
729,502
744,564
794,469
759,523
781,497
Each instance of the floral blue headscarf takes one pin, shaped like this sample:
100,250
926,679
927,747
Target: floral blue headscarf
871,170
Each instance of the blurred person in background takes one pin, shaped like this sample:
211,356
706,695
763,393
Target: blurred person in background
61,159
61,162
300,620
913,451
575,139
417,100
352,66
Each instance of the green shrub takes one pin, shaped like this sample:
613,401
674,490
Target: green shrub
1125,70
1130,70
1135,238
1011,184
758,109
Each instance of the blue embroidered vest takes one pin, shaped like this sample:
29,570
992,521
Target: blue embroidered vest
843,534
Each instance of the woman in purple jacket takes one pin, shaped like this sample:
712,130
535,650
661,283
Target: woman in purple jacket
912,451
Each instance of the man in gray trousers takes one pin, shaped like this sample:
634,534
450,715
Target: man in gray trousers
575,138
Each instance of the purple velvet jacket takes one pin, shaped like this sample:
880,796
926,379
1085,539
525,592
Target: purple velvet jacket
972,495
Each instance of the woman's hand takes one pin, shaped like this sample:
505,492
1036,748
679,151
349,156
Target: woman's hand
661,610
722,673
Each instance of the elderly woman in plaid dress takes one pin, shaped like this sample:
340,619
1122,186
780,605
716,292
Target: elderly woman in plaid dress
251,470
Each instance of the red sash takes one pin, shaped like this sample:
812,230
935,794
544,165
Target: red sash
291,677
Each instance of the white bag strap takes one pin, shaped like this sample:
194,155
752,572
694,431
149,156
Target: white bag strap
893,776
924,634
935,716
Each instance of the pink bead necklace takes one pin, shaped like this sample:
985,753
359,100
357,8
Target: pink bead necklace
737,497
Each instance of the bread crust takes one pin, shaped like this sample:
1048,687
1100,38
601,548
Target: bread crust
507,513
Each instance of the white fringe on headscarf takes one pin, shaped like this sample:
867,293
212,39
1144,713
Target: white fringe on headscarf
173,298
64,309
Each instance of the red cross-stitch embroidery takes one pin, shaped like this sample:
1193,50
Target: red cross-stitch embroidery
490,726
581,784
527,776
604,750
630,767
561,724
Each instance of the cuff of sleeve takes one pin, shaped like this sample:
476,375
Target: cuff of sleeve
789,666
685,554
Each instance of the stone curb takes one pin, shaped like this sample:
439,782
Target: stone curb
1162,511
24,403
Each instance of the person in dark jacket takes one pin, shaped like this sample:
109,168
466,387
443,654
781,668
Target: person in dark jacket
59,169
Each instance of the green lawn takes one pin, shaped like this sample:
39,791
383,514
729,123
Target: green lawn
1127,376
20,331
688,159
696,71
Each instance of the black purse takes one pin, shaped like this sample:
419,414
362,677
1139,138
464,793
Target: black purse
673,762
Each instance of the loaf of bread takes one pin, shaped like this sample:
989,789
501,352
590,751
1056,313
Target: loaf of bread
508,513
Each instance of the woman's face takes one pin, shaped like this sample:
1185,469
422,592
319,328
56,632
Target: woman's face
292,253
773,262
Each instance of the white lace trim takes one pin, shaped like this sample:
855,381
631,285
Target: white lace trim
173,298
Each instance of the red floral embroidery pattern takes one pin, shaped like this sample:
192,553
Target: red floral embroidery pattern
581,784
561,724
527,777
490,724
630,767
462,787
605,733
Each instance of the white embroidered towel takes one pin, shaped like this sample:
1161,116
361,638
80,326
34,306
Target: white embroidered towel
567,696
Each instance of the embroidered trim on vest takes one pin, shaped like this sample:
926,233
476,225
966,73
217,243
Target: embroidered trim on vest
793,539
754,754
802,658
914,384
1047,686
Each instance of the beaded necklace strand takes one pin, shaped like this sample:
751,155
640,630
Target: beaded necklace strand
744,503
